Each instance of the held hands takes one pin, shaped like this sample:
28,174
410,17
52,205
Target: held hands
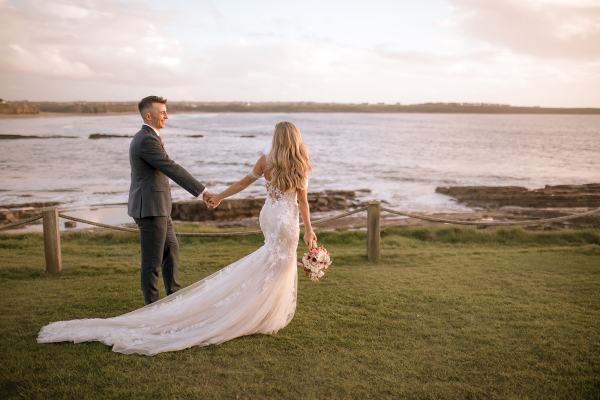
310,238
211,200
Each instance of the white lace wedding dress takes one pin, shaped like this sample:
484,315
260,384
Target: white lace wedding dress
256,294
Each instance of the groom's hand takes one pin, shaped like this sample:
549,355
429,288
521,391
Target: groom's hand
211,199
206,196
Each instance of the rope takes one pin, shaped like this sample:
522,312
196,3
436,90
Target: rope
219,234
319,221
257,231
204,234
133,230
484,223
333,218
22,222
84,221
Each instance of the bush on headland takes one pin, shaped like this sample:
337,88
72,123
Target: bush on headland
18,107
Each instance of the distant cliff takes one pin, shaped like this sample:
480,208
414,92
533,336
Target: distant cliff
90,107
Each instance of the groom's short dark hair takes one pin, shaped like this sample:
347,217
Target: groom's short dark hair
147,102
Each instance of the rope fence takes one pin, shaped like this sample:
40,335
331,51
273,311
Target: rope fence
52,249
203,234
526,222
98,224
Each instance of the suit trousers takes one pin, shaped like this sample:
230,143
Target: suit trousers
159,249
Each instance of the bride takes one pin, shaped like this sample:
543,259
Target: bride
256,294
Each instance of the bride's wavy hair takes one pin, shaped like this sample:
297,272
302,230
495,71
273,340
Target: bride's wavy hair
288,161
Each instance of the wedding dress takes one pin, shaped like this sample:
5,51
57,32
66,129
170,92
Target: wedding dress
256,294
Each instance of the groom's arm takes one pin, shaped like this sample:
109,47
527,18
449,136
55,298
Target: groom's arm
152,152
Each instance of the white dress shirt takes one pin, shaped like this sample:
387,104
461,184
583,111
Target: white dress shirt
153,128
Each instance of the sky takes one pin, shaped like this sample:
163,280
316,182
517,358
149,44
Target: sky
519,52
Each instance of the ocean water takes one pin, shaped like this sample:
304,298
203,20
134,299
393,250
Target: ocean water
399,158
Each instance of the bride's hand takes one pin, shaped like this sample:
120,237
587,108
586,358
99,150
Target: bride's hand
215,200
310,238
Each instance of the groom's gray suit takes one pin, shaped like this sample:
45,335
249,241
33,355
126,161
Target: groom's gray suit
150,206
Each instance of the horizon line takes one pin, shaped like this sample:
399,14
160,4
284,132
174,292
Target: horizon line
364,103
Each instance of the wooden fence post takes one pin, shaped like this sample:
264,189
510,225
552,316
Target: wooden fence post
52,240
373,231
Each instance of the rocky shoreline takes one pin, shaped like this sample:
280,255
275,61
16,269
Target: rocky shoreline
236,209
11,213
19,137
501,203
97,136
558,196
195,211
519,203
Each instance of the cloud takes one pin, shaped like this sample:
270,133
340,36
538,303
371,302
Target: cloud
43,61
528,52
424,58
543,29
107,41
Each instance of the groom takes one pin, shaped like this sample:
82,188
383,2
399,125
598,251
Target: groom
150,198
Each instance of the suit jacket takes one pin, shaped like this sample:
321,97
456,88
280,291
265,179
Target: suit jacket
151,168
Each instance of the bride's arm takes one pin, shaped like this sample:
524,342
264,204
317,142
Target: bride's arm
310,238
257,172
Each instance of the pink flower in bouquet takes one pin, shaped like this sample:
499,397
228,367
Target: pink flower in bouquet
315,262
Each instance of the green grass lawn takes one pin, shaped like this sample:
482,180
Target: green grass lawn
446,314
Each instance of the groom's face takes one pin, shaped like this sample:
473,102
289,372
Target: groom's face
158,115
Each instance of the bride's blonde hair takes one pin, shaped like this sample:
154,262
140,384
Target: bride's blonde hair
288,161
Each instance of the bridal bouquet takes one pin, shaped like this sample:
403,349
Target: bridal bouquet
315,262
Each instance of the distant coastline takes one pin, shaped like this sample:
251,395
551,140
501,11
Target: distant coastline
44,108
